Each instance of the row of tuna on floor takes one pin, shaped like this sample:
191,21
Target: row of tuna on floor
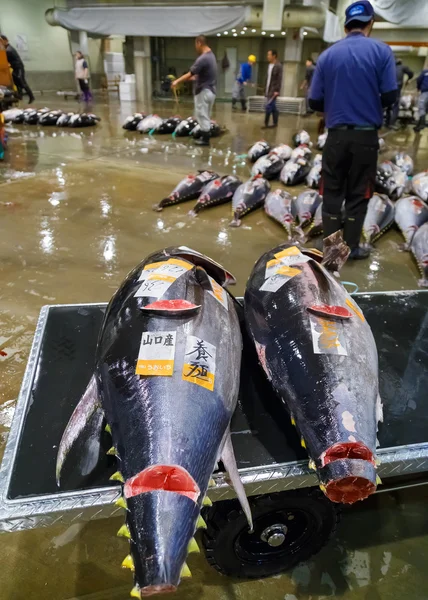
178,328
47,117
177,126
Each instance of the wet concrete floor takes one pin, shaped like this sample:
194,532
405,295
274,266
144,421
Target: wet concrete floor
76,216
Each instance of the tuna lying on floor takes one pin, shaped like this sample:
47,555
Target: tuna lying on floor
166,380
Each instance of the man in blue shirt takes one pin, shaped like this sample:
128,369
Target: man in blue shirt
354,80
244,76
422,85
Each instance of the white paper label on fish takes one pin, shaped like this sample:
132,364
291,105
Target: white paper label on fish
273,266
219,293
327,336
158,277
283,274
156,355
199,362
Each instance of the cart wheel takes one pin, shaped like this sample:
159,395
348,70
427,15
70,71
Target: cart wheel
288,529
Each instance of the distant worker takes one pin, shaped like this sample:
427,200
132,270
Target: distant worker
82,76
353,81
204,69
422,85
272,88
306,85
243,78
18,70
392,111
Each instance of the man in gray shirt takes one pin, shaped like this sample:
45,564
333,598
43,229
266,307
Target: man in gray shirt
204,71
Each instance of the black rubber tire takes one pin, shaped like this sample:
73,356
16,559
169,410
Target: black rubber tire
311,521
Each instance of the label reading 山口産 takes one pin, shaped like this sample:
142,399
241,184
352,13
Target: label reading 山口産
218,292
156,355
157,277
199,362
328,336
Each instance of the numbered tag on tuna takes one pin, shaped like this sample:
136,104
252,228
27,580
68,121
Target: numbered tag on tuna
219,293
156,356
327,336
149,269
199,362
160,277
273,266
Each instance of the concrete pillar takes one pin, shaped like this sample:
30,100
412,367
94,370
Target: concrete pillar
83,43
291,63
143,69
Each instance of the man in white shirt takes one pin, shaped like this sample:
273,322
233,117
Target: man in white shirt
272,88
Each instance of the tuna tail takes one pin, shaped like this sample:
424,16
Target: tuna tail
159,207
336,252
235,222
161,526
85,422
298,235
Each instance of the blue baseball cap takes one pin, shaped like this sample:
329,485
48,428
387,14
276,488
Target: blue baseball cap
359,11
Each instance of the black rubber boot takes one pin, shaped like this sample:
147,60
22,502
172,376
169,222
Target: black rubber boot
330,223
266,125
233,103
352,234
244,104
275,116
204,140
420,124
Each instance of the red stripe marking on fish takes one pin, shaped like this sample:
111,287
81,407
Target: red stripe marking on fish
330,311
3,353
172,305
170,478
347,450
160,588
349,489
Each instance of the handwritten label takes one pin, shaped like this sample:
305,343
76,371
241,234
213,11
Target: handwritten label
156,355
199,362
158,277
327,336
219,293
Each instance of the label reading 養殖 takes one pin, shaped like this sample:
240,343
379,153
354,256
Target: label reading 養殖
199,362
156,355
327,336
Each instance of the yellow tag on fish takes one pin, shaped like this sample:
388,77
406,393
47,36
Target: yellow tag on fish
292,251
218,292
288,271
199,362
156,355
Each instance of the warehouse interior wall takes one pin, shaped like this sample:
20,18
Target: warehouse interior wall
45,50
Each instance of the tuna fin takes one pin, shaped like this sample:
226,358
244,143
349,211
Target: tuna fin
206,502
229,461
124,532
135,592
193,547
202,278
121,503
200,523
86,421
336,252
112,451
107,428
185,571
211,483
172,308
117,477
128,563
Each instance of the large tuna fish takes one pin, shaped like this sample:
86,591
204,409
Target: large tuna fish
390,180
316,226
132,121
166,380
307,202
215,130
13,115
189,188
295,171
247,197
319,353
379,217
185,127
283,151
301,152
50,118
216,192
268,166
420,185
419,248
410,214
64,119
302,138
149,123
281,206
258,149
404,162
314,176
169,125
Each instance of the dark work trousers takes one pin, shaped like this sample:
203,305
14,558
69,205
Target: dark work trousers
87,96
21,83
392,111
348,175
271,109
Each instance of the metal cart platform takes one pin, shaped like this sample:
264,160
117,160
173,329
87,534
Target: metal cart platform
267,448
